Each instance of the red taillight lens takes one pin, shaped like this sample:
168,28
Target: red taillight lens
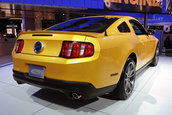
89,50
76,49
19,46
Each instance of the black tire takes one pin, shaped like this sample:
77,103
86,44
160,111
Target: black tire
156,57
126,83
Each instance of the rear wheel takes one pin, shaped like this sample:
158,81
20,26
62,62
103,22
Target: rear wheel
156,57
126,83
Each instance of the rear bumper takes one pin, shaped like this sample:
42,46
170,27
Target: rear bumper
95,70
87,90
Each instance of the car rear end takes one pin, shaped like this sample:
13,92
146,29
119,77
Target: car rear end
61,58
70,62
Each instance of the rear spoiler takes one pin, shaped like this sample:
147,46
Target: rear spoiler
50,33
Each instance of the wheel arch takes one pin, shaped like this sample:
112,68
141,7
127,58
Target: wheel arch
133,56
130,55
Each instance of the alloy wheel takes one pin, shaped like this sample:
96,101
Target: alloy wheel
129,79
157,55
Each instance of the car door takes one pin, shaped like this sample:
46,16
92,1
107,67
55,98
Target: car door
143,41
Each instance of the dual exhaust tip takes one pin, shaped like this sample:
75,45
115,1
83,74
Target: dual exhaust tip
76,96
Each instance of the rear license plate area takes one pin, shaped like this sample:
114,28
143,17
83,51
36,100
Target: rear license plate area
36,71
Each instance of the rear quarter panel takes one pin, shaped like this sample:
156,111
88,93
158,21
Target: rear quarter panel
114,51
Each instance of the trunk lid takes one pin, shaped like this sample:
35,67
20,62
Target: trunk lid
52,41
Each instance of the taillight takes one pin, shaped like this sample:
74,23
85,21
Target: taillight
76,49
19,46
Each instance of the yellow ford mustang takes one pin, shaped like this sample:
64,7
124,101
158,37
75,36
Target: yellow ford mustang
86,57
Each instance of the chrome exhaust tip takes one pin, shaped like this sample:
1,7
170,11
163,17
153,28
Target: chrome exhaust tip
76,96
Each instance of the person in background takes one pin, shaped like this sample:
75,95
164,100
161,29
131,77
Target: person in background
168,43
169,6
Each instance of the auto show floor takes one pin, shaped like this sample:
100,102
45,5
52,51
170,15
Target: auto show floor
5,60
152,96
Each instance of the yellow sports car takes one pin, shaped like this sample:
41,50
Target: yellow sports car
86,57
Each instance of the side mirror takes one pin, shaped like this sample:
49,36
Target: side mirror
151,32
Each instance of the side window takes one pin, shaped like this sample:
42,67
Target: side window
138,28
123,27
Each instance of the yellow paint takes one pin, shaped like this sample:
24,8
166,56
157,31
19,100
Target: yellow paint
110,54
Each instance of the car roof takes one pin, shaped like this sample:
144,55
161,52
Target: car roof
111,16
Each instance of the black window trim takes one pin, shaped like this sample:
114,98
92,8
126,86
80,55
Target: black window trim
127,26
146,33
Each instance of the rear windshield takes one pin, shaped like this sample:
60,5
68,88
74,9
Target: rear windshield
90,24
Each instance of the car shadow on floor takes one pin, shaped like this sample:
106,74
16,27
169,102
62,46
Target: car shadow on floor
59,98
62,103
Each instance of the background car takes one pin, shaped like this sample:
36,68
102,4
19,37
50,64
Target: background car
86,57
